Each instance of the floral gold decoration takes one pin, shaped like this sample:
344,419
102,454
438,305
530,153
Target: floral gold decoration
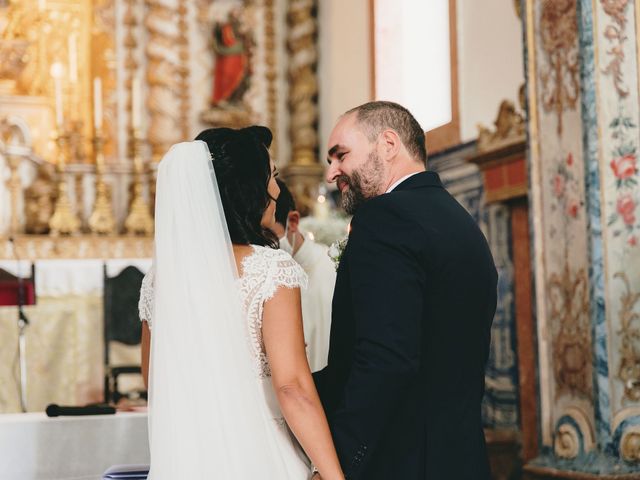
615,33
560,79
568,294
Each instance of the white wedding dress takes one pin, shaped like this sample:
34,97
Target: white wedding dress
213,412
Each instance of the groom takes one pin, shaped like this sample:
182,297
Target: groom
414,300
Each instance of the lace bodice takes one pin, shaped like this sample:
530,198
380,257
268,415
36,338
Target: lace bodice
262,273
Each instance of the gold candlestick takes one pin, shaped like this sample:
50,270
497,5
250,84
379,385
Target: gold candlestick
139,220
101,221
64,221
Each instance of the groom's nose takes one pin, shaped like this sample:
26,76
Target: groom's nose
333,172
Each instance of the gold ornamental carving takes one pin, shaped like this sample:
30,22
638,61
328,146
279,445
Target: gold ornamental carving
303,173
559,38
183,69
272,74
616,34
629,370
162,50
568,294
303,90
510,128
39,200
42,247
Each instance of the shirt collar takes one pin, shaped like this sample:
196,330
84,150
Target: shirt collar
392,187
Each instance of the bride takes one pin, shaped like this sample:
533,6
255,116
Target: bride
230,391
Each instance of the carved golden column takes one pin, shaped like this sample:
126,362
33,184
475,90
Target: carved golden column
163,49
64,220
183,70
304,173
271,61
131,62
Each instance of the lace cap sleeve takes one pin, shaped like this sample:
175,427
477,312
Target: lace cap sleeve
145,304
283,271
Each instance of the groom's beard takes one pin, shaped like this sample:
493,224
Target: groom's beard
363,184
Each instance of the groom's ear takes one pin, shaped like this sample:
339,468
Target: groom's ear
390,144
294,221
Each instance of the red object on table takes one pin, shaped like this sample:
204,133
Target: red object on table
9,289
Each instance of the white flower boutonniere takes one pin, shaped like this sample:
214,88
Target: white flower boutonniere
336,249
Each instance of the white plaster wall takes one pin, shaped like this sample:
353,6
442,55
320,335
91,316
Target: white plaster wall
489,61
490,64
344,66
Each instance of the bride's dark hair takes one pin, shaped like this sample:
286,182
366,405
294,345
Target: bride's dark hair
243,170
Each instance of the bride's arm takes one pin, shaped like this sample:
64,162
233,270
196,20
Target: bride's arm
283,338
145,344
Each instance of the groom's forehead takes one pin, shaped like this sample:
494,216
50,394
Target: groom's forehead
345,133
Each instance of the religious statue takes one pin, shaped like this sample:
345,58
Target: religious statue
232,72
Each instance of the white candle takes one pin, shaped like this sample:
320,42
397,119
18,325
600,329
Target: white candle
135,103
97,104
73,59
57,84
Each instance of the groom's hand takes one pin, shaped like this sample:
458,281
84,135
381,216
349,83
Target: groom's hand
316,476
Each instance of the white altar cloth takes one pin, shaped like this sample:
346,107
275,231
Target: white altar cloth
34,447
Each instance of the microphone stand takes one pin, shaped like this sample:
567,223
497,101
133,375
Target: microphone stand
23,322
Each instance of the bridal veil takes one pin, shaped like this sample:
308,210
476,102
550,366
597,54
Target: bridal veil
206,419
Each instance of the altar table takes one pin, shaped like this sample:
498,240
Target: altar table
34,447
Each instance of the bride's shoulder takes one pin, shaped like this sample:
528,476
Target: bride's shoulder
279,265
271,254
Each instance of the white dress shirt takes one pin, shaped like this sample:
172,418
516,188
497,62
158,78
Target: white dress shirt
401,180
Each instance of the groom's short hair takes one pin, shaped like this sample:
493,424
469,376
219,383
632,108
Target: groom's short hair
377,116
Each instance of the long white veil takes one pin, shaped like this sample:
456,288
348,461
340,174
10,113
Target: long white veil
206,419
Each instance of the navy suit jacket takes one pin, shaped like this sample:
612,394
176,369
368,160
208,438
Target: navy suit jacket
413,305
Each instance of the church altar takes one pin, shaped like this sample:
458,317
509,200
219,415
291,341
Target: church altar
64,340
35,447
